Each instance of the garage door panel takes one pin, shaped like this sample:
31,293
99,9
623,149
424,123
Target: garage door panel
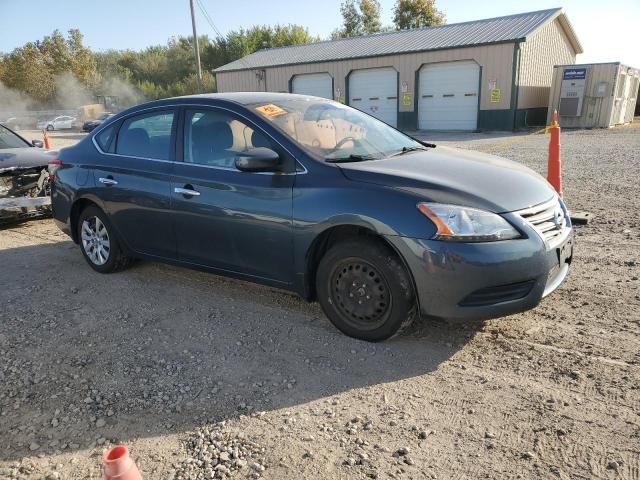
375,91
315,84
449,96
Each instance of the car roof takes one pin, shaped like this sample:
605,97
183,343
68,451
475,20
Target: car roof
242,98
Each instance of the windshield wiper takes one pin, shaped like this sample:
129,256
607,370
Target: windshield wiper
409,149
351,158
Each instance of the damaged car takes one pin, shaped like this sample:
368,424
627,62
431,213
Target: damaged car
24,178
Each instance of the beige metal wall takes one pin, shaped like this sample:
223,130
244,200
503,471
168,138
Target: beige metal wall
539,54
496,62
597,111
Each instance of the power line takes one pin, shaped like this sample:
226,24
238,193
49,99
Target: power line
207,17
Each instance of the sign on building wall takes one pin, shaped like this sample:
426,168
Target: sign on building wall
495,95
574,74
406,99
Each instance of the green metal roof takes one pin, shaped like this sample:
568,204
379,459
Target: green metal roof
479,32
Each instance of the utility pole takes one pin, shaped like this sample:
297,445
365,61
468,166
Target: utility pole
196,49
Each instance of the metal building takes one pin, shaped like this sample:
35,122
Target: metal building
492,74
595,95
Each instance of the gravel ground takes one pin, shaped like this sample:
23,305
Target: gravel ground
206,377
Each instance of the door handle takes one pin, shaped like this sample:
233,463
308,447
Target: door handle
108,181
190,192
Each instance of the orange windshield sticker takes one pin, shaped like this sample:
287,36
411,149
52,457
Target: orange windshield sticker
271,110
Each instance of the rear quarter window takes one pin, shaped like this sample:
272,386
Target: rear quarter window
103,139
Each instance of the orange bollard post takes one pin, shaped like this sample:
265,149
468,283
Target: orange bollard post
118,465
554,174
45,138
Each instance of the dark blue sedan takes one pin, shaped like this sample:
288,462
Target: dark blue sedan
315,197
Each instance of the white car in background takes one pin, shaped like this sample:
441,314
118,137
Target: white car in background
63,122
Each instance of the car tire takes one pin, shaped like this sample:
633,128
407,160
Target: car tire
50,128
365,290
99,243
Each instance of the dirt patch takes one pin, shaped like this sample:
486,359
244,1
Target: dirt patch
157,356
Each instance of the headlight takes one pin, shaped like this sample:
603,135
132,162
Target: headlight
464,224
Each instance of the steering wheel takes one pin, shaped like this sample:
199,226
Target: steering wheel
345,140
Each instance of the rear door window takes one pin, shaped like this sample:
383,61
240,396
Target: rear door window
214,138
147,135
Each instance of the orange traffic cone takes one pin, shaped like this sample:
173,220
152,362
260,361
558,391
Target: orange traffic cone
45,138
554,174
118,465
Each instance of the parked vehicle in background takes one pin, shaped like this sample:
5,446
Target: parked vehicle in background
17,123
63,122
24,177
313,196
91,124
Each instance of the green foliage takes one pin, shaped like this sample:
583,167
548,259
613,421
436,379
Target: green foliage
156,72
240,43
416,14
370,14
358,18
34,67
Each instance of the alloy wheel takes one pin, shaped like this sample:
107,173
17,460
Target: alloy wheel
95,240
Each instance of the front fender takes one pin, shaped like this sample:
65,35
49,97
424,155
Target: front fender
319,206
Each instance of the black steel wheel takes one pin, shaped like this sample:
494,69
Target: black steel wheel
365,290
361,293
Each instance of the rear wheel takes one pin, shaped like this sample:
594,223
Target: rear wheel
365,290
98,242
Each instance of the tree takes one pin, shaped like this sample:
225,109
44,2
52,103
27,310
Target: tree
39,68
416,14
358,18
240,43
370,15
351,20
60,71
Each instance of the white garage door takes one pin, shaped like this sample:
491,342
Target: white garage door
316,84
375,92
449,96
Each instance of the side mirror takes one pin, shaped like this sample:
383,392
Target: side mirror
259,159
37,143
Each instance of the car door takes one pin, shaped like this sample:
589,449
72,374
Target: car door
234,221
133,180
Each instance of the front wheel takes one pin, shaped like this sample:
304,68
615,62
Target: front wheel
50,128
98,242
365,290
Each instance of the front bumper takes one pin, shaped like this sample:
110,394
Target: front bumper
479,281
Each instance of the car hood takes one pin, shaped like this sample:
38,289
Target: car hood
458,177
27,157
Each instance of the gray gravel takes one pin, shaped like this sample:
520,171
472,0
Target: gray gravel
194,371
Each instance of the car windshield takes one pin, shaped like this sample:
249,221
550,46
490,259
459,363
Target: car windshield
332,131
8,139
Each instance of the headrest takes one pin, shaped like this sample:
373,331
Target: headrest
135,140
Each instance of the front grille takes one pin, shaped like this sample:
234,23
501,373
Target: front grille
502,293
549,219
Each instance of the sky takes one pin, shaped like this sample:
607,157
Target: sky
607,30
